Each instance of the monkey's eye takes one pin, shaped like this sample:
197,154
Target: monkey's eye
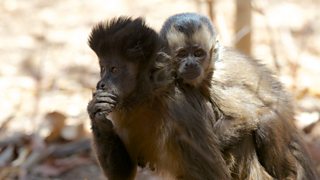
113,70
199,53
182,53
102,69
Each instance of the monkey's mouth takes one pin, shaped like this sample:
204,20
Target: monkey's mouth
189,75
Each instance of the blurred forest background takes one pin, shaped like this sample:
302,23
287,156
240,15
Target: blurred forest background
48,72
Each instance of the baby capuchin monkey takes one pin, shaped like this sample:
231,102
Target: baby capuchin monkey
253,111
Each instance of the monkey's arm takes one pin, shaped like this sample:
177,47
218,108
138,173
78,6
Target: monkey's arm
234,109
272,147
197,150
245,114
111,153
271,136
280,149
231,131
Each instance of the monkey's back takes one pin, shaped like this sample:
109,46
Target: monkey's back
248,92
249,84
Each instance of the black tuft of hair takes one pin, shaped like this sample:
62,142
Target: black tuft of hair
124,36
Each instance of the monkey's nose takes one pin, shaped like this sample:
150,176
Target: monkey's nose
101,85
190,65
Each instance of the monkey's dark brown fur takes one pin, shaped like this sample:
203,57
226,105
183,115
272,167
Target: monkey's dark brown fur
253,113
168,127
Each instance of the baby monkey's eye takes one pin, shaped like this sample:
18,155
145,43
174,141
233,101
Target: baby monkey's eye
199,53
182,53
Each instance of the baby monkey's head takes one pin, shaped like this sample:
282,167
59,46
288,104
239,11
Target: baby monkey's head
191,39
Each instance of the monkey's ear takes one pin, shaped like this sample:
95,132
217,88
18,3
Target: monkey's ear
163,74
163,56
216,51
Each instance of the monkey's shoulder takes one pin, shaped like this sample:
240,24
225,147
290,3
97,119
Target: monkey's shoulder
237,70
242,86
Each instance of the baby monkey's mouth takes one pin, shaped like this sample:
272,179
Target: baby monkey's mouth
190,74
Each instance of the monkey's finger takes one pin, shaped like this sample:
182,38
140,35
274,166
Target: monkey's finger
101,99
97,91
101,115
104,107
106,94
91,108
103,122
104,115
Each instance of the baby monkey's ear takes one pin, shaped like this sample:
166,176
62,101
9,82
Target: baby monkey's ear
216,50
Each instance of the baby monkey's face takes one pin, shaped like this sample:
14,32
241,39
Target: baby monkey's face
192,59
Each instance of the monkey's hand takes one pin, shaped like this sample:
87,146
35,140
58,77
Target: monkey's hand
102,103
112,154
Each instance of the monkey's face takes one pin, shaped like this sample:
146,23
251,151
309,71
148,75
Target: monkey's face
192,60
191,46
118,77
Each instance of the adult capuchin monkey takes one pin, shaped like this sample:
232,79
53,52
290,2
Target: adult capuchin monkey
153,121
254,113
